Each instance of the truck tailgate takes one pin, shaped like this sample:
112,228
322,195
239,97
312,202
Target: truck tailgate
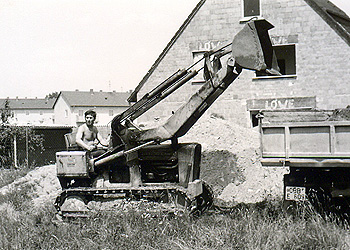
311,144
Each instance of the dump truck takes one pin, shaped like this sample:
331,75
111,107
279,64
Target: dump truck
318,157
150,164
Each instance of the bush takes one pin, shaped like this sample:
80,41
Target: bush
7,135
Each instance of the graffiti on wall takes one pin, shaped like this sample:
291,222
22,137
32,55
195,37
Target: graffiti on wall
205,45
281,103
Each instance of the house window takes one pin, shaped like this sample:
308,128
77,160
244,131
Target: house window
111,113
254,119
198,55
251,8
81,112
286,60
66,113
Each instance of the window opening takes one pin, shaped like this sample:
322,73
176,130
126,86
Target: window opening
197,55
286,60
251,8
254,119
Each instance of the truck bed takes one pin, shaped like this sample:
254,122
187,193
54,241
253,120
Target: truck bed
306,144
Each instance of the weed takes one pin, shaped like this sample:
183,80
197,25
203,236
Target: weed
246,226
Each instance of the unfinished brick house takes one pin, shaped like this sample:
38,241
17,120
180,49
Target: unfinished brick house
311,40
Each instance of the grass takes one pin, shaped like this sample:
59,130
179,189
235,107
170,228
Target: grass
8,175
245,226
255,226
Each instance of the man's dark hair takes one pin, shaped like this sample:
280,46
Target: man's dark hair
90,112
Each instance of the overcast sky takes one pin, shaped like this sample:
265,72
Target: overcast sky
48,46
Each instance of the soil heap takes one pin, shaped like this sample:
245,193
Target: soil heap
230,164
231,161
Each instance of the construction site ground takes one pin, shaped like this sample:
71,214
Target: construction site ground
230,164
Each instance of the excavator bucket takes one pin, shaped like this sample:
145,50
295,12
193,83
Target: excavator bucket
252,47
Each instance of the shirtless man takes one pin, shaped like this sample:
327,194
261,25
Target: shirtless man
88,136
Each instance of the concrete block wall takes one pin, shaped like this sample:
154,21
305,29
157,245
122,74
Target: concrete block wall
322,65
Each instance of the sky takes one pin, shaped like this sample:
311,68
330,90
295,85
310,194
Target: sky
62,45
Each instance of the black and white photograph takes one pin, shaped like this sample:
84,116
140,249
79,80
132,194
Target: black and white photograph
187,124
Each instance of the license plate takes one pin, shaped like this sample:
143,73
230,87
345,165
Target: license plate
295,193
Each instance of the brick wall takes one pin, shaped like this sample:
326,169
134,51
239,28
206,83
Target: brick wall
322,64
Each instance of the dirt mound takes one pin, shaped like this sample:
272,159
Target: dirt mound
341,114
43,181
227,172
230,163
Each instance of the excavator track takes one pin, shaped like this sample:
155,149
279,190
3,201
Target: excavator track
82,202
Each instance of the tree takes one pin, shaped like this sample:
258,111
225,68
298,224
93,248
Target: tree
8,133
52,95
6,112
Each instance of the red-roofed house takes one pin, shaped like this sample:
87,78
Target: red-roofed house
70,106
30,111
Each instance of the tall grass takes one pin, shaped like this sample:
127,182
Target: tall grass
8,175
255,226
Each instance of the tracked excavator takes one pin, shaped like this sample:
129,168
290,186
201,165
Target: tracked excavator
150,164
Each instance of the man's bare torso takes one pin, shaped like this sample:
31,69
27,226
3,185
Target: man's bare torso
89,134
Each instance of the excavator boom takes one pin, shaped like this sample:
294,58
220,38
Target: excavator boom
251,49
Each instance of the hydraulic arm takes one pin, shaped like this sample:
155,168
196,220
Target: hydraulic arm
251,49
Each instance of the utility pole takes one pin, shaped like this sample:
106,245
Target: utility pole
15,150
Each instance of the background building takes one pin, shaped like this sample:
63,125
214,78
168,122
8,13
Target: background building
70,106
30,111
311,40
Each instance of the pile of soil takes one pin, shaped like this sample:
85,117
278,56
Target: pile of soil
342,114
42,181
231,161
230,164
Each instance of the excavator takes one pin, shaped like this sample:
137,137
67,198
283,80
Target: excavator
150,164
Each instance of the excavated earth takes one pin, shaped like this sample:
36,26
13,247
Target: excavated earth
230,164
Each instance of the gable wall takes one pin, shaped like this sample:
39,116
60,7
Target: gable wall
103,114
33,116
60,112
322,64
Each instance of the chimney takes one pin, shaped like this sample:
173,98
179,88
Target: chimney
16,98
91,91
76,89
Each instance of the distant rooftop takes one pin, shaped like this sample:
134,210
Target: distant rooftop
95,98
28,103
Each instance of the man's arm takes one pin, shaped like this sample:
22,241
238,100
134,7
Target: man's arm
102,141
80,142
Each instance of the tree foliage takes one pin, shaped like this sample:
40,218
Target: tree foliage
8,134
52,95
6,112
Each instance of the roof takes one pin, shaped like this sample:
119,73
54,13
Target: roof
27,103
133,96
95,99
334,16
337,19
